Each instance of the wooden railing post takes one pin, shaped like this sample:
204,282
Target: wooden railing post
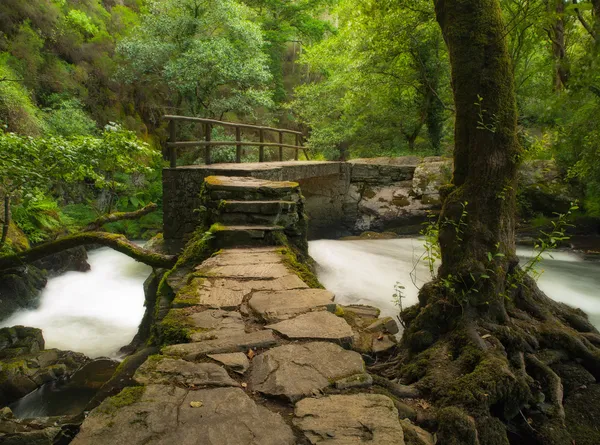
261,148
297,147
304,149
281,147
238,148
172,139
208,137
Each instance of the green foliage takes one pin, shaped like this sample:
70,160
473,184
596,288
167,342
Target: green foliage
378,82
39,217
67,118
208,55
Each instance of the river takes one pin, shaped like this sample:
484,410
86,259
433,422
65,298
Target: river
98,312
365,272
95,312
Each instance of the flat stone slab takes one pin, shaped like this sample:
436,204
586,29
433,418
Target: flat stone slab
243,183
277,306
230,257
316,326
257,271
229,293
222,344
349,419
236,361
214,321
168,371
167,415
299,370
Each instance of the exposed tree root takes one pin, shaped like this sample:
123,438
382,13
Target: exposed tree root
119,216
116,242
494,378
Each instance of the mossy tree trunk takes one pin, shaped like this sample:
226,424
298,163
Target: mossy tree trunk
483,338
478,217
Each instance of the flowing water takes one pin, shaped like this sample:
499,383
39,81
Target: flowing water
365,272
95,312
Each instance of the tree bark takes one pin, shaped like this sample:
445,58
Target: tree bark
486,147
556,33
116,242
474,344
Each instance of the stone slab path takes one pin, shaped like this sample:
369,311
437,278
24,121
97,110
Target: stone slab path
269,362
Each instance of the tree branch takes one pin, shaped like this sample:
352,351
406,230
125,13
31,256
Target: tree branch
119,216
116,242
585,24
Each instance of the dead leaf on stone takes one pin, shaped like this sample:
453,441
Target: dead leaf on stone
380,337
196,404
251,354
486,336
423,404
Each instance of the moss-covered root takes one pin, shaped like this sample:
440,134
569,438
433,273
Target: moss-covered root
500,373
116,242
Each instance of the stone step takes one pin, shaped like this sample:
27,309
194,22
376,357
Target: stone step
280,219
251,189
258,207
246,235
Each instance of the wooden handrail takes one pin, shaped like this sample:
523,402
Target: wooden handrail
207,124
228,124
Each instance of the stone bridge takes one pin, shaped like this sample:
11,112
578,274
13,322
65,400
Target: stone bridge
341,198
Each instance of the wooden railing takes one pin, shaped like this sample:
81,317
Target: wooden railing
173,144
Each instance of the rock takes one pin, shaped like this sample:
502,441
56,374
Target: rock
47,436
22,374
362,310
222,344
68,260
297,370
316,326
230,257
542,189
236,361
20,289
94,374
429,176
163,370
212,322
276,306
164,415
20,340
228,293
383,344
349,419
386,324
413,435
246,271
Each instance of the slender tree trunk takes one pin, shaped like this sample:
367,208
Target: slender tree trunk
556,33
6,220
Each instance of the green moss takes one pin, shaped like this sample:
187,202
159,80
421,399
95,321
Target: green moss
290,259
456,427
400,201
368,193
175,328
188,295
127,397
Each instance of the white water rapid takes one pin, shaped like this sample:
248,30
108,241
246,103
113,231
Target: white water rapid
365,271
95,312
